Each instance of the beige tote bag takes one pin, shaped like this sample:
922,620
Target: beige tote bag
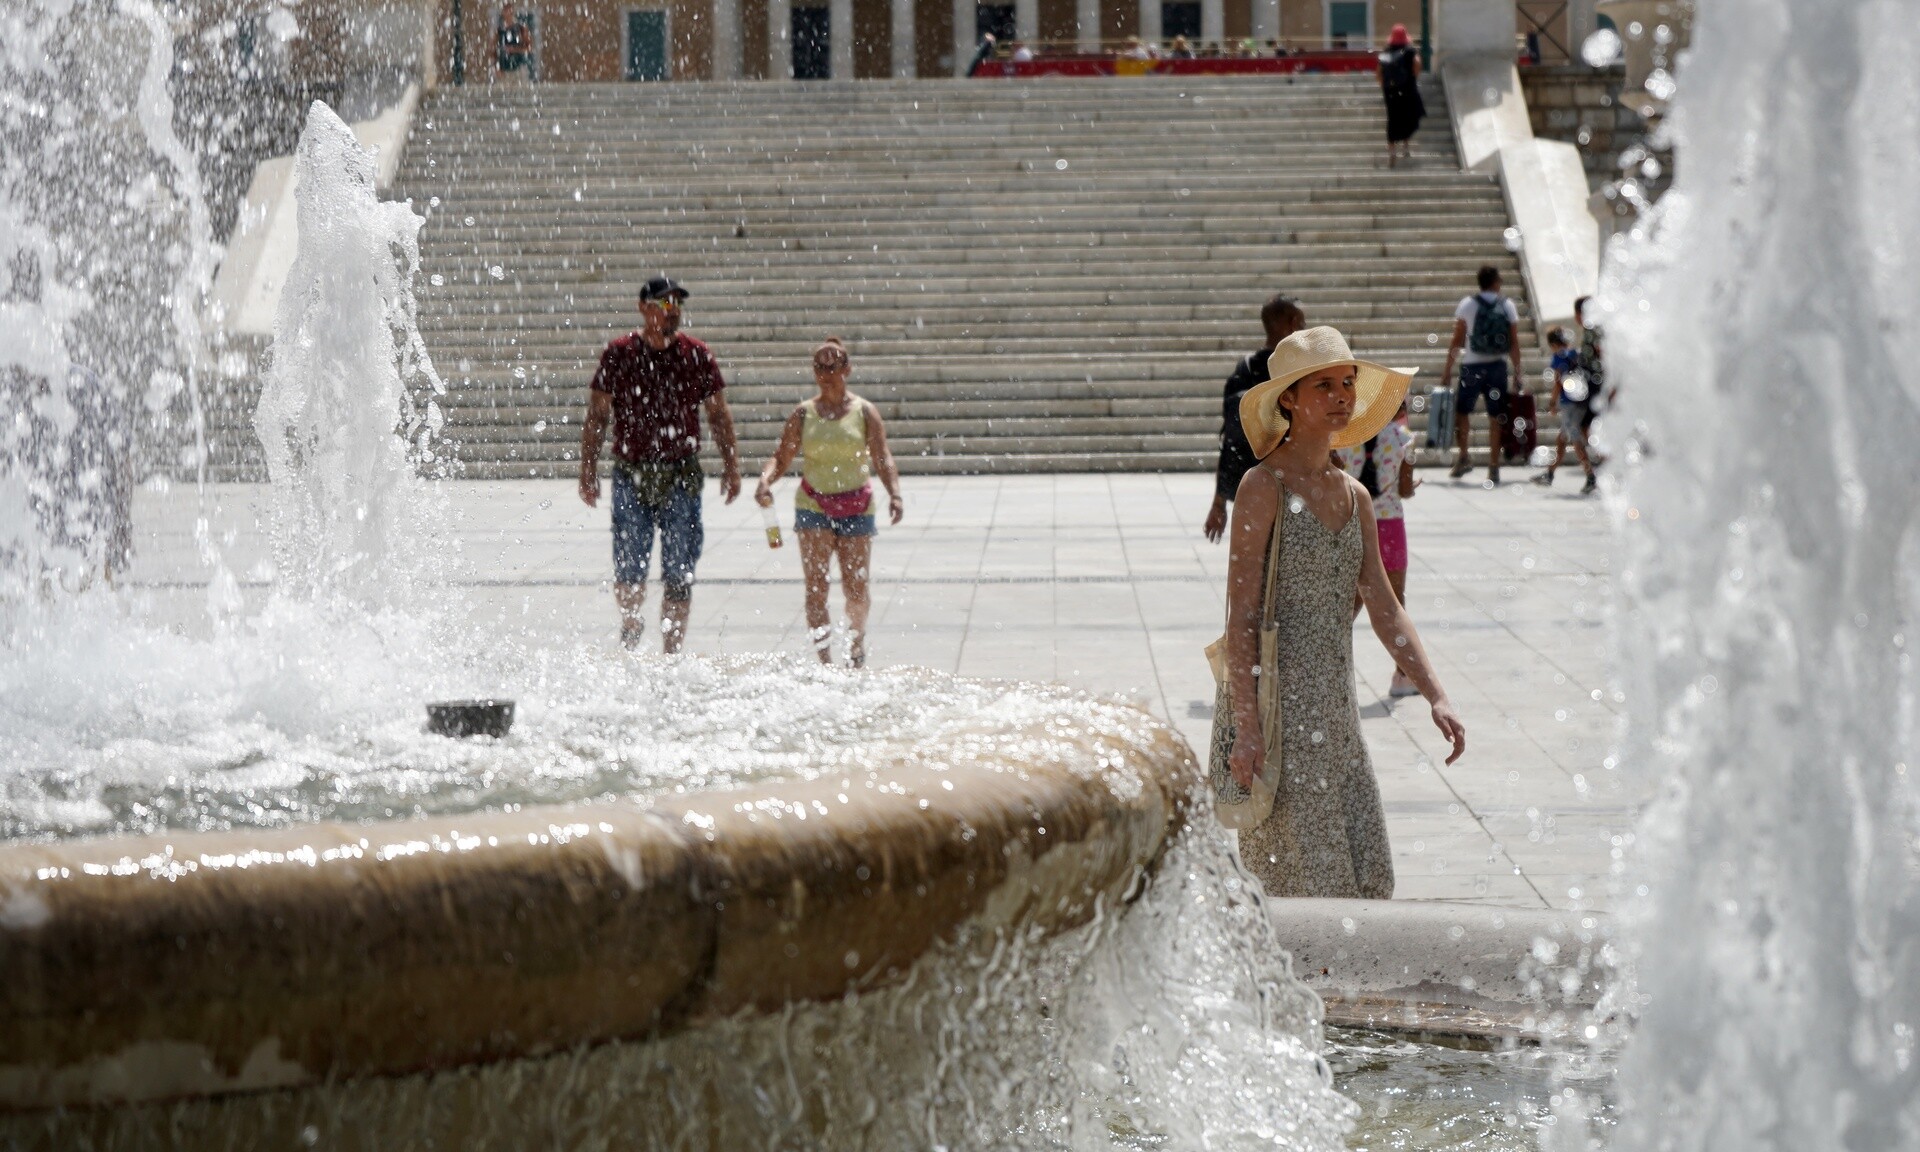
1243,808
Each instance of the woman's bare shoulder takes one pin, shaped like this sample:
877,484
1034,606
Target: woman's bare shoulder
1258,484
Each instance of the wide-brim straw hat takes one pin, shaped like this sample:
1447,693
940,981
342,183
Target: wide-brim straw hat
1379,390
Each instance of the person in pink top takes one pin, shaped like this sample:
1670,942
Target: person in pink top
1383,467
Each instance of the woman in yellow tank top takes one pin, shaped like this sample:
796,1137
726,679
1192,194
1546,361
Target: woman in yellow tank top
841,442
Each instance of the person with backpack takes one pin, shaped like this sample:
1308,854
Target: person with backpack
1382,467
1486,340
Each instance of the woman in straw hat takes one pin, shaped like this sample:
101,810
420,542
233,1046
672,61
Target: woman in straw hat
1326,834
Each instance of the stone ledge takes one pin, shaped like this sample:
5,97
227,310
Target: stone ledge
1447,969
149,968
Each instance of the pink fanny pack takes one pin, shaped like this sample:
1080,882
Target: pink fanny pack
840,505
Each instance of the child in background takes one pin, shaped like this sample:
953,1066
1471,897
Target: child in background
1573,400
1381,466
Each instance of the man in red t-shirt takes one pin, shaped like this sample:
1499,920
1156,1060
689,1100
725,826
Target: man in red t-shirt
651,386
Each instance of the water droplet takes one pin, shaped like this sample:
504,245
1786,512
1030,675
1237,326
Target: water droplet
1602,48
497,272
437,280
1060,164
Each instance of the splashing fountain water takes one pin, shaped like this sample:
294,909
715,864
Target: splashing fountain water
1764,322
347,416
1757,318
1171,1018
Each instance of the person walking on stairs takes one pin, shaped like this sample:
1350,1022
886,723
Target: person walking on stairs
1304,543
1486,340
841,441
1400,86
1281,316
652,386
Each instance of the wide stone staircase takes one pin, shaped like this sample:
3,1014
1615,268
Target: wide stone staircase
1045,276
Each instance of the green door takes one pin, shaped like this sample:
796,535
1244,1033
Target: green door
1347,24
647,44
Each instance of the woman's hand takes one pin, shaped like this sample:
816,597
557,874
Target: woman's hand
1449,724
896,508
1249,753
763,493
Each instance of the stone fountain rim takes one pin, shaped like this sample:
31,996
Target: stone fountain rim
737,901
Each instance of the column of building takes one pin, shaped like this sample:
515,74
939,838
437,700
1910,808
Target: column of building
726,39
965,22
840,37
779,39
1087,24
902,39
1150,20
1213,21
1265,24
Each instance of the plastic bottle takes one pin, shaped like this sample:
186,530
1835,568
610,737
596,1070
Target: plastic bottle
772,522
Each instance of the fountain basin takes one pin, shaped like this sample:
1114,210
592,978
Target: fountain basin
155,967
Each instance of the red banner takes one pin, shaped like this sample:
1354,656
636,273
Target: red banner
1329,61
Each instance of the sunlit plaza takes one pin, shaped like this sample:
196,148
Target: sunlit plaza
1068,574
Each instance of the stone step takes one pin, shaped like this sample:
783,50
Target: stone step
1292,190
1006,314
1242,285
557,303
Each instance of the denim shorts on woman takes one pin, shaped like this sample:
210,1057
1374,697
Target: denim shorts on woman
681,536
807,520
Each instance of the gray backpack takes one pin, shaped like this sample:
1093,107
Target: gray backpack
1492,333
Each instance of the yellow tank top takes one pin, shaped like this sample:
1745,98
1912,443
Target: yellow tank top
833,453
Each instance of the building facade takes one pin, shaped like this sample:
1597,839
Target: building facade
649,40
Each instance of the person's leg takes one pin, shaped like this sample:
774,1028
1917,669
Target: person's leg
1472,392
856,558
816,554
1462,430
682,538
633,527
1559,454
1497,417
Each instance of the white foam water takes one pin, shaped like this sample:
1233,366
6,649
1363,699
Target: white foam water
1763,322
347,415
1172,1023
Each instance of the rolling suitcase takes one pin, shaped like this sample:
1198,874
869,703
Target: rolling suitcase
1439,418
1523,427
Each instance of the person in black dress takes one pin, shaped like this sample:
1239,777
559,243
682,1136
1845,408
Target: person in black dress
1400,84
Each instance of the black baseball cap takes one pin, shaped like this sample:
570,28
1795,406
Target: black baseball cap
661,287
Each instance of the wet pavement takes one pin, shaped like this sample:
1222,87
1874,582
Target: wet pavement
1105,582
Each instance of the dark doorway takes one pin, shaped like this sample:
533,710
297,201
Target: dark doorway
1180,18
647,44
813,44
997,19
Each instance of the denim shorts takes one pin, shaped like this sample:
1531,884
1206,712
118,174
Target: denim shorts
807,520
1575,418
681,536
1488,380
